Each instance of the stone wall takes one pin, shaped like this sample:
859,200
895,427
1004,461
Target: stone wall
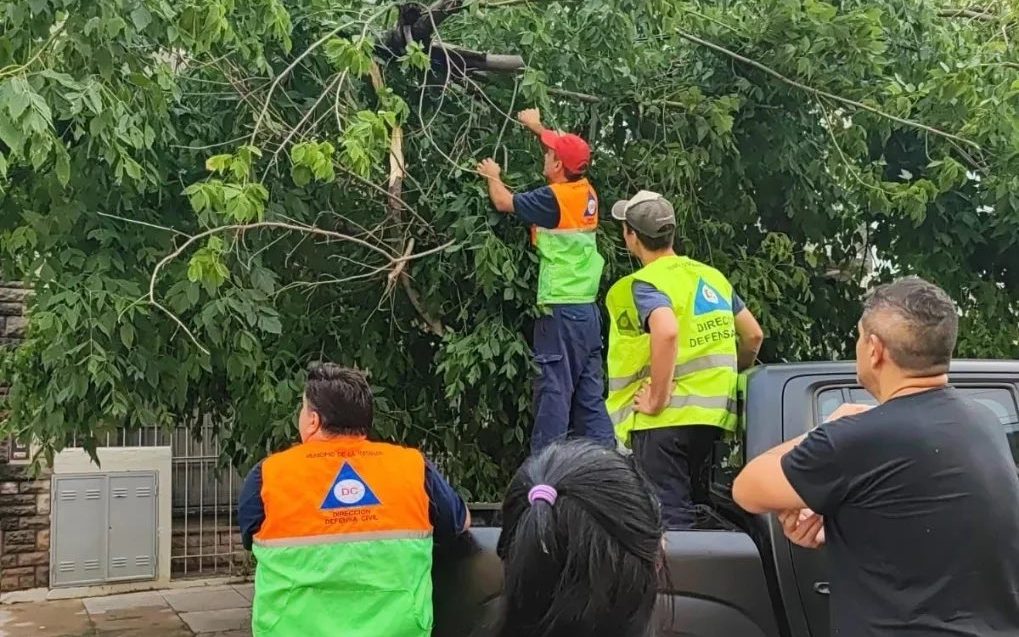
12,313
24,529
24,497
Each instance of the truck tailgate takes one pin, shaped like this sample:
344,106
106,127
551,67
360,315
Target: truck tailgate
717,587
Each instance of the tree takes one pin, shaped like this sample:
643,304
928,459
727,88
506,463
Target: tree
207,195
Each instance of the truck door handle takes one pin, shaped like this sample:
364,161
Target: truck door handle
822,588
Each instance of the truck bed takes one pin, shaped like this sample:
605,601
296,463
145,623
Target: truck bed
717,586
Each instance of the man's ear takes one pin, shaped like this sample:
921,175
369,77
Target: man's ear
878,351
314,422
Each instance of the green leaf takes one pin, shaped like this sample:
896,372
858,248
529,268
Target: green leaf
218,163
301,175
133,168
141,17
196,269
12,135
63,165
17,102
270,324
127,335
353,57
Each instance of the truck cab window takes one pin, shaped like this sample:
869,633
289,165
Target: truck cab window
1000,400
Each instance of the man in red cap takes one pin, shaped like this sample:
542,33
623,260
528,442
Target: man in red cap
567,337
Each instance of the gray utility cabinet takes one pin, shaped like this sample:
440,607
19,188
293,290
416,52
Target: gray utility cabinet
104,528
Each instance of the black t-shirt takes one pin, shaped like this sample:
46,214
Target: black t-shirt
921,505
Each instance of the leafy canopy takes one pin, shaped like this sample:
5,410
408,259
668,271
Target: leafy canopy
271,170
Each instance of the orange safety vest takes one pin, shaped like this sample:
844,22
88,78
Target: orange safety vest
570,268
346,545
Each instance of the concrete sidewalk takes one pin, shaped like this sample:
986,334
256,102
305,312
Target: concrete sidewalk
221,611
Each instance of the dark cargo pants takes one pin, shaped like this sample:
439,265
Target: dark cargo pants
569,387
677,460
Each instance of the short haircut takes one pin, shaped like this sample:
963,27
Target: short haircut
655,244
574,176
341,397
918,323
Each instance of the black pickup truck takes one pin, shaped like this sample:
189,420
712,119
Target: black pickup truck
738,576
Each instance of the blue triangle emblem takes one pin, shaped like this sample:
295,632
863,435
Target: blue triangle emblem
349,491
709,300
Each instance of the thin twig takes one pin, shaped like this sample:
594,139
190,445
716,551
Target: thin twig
211,146
580,97
810,89
286,140
393,260
144,223
503,3
15,69
830,123
292,65
968,13
240,227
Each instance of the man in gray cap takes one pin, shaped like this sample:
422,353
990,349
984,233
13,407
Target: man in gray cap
677,339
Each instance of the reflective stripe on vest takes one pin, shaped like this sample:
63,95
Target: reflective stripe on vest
347,525
570,266
705,371
678,402
696,365
312,540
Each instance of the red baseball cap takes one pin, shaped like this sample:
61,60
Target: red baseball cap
569,148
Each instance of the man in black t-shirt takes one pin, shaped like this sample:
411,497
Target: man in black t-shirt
917,499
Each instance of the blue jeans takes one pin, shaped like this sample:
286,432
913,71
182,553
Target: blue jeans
569,388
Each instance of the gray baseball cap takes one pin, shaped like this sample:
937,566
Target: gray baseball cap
646,212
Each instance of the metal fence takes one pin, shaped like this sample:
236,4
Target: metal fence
205,541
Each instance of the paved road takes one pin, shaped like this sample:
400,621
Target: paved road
223,611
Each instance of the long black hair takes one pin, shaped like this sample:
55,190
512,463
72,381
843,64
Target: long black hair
589,564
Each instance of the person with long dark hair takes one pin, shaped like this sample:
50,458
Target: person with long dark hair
581,546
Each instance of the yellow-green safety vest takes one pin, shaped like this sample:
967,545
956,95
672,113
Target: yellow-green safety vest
705,377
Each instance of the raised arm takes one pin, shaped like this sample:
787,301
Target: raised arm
531,119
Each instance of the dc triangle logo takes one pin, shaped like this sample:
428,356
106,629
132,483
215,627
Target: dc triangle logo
349,491
708,299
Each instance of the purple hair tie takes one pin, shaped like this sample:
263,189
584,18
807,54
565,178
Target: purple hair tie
542,492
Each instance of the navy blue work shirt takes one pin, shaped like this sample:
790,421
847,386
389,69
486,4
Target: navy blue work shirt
538,207
648,298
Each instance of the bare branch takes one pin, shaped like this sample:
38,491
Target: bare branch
239,227
393,261
435,326
14,69
290,67
810,89
968,13
573,95
144,223
335,83
396,176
